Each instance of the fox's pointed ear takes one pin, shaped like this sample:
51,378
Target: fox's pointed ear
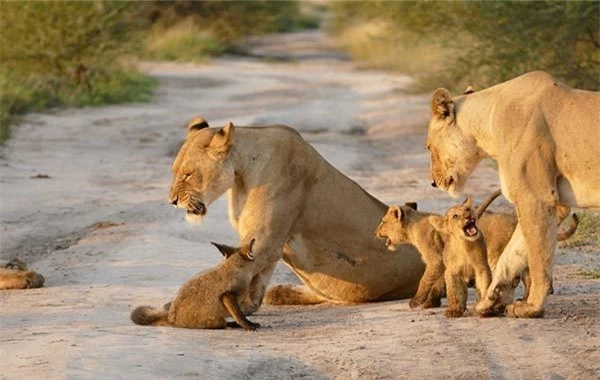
196,124
442,105
225,250
221,142
437,223
247,252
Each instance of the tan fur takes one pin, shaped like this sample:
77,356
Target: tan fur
299,207
404,224
544,137
205,300
465,256
14,274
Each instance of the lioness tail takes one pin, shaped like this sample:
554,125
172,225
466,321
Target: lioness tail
564,235
148,315
482,207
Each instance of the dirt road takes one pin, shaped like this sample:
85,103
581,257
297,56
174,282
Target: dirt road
84,201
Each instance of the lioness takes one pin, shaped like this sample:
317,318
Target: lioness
544,137
299,207
465,256
14,274
205,300
404,224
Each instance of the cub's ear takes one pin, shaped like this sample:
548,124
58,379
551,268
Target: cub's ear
196,123
469,90
412,205
468,202
442,105
220,144
225,250
437,223
395,212
247,252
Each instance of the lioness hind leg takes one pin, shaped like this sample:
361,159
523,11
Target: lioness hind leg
287,294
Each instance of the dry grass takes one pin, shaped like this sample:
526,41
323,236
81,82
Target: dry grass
184,41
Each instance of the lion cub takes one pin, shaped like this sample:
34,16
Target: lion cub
14,274
465,256
406,225
205,300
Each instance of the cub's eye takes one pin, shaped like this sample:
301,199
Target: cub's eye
455,216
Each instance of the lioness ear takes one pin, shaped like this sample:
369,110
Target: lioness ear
412,205
437,222
220,143
225,250
196,123
469,90
442,105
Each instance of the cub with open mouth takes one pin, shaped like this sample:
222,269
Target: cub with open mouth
465,255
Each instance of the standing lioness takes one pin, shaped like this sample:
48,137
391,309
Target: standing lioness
545,137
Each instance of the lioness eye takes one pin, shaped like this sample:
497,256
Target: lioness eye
455,216
187,175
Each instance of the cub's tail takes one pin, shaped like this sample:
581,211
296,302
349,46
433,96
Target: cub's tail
150,316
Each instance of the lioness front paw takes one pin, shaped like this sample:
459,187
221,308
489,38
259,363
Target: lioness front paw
252,326
454,313
523,310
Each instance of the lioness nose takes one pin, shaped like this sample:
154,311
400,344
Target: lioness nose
433,184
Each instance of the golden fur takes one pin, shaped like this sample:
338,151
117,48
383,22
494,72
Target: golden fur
465,256
299,207
205,300
14,274
544,137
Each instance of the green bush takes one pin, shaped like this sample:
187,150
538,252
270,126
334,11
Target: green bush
68,53
484,43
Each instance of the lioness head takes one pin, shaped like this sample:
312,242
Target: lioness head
393,224
459,221
453,154
202,170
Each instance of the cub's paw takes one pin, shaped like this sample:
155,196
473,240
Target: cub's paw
415,302
432,302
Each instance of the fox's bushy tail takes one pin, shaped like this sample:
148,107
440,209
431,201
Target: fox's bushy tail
150,316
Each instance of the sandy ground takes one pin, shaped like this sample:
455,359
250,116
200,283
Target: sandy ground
101,232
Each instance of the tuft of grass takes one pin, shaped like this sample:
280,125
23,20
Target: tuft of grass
593,273
183,42
588,231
